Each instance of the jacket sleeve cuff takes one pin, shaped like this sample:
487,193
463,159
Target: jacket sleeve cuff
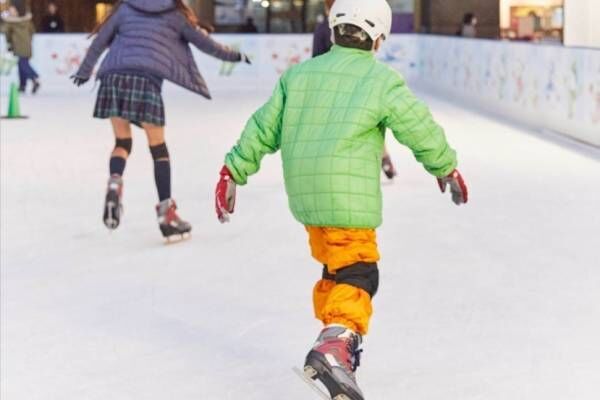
445,171
237,177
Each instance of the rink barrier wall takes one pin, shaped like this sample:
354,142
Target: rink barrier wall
547,87
544,86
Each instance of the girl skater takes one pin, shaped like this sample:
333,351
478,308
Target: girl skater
148,42
19,35
322,44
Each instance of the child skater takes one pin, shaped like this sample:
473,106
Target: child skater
148,42
328,117
322,44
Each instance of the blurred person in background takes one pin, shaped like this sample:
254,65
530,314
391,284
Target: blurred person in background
322,44
52,22
19,32
249,26
537,21
322,36
469,26
148,42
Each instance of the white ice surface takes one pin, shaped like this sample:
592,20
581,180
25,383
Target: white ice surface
497,300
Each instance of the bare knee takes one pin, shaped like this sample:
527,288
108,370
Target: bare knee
121,128
155,134
123,140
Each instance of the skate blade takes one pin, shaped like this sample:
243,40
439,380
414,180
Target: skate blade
308,376
110,221
311,376
111,224
178,238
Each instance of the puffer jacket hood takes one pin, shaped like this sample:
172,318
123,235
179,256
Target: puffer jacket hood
13,19
19,33
152,6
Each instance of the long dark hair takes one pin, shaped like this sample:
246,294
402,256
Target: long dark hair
183,8
21,8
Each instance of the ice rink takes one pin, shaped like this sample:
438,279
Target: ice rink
496,300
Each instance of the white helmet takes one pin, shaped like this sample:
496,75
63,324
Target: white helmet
372,16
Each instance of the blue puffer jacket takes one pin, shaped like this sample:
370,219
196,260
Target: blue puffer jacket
152,36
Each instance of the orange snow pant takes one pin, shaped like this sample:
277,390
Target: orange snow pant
338,248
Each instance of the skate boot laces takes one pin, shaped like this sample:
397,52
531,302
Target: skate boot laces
356,355
113,209
343,344
167,212
169,223
115,183
167,216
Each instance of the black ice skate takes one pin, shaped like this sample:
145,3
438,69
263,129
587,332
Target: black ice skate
333,361
171,226
36,86
112,205
388,167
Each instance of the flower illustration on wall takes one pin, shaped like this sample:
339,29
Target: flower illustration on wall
572,87
69,61
502,73
550,87
595,94
518,81
284,57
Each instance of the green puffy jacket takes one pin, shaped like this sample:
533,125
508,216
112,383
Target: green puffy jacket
328,116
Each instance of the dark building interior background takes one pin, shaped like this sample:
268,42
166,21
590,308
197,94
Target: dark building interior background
430,16
444,16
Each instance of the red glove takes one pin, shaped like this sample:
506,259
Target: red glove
225,196
460,193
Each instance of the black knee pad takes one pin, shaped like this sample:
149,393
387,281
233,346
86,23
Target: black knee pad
327,275
124,144
159,151
361,275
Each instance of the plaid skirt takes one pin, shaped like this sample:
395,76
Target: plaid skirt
131,97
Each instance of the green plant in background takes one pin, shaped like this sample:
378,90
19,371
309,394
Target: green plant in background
573,88
7,64
227,68
595,95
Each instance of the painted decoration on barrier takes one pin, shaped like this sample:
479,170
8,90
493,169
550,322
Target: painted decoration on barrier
67,60
58,56
548,86
271,55
8,64
595,93
401,52
284,57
